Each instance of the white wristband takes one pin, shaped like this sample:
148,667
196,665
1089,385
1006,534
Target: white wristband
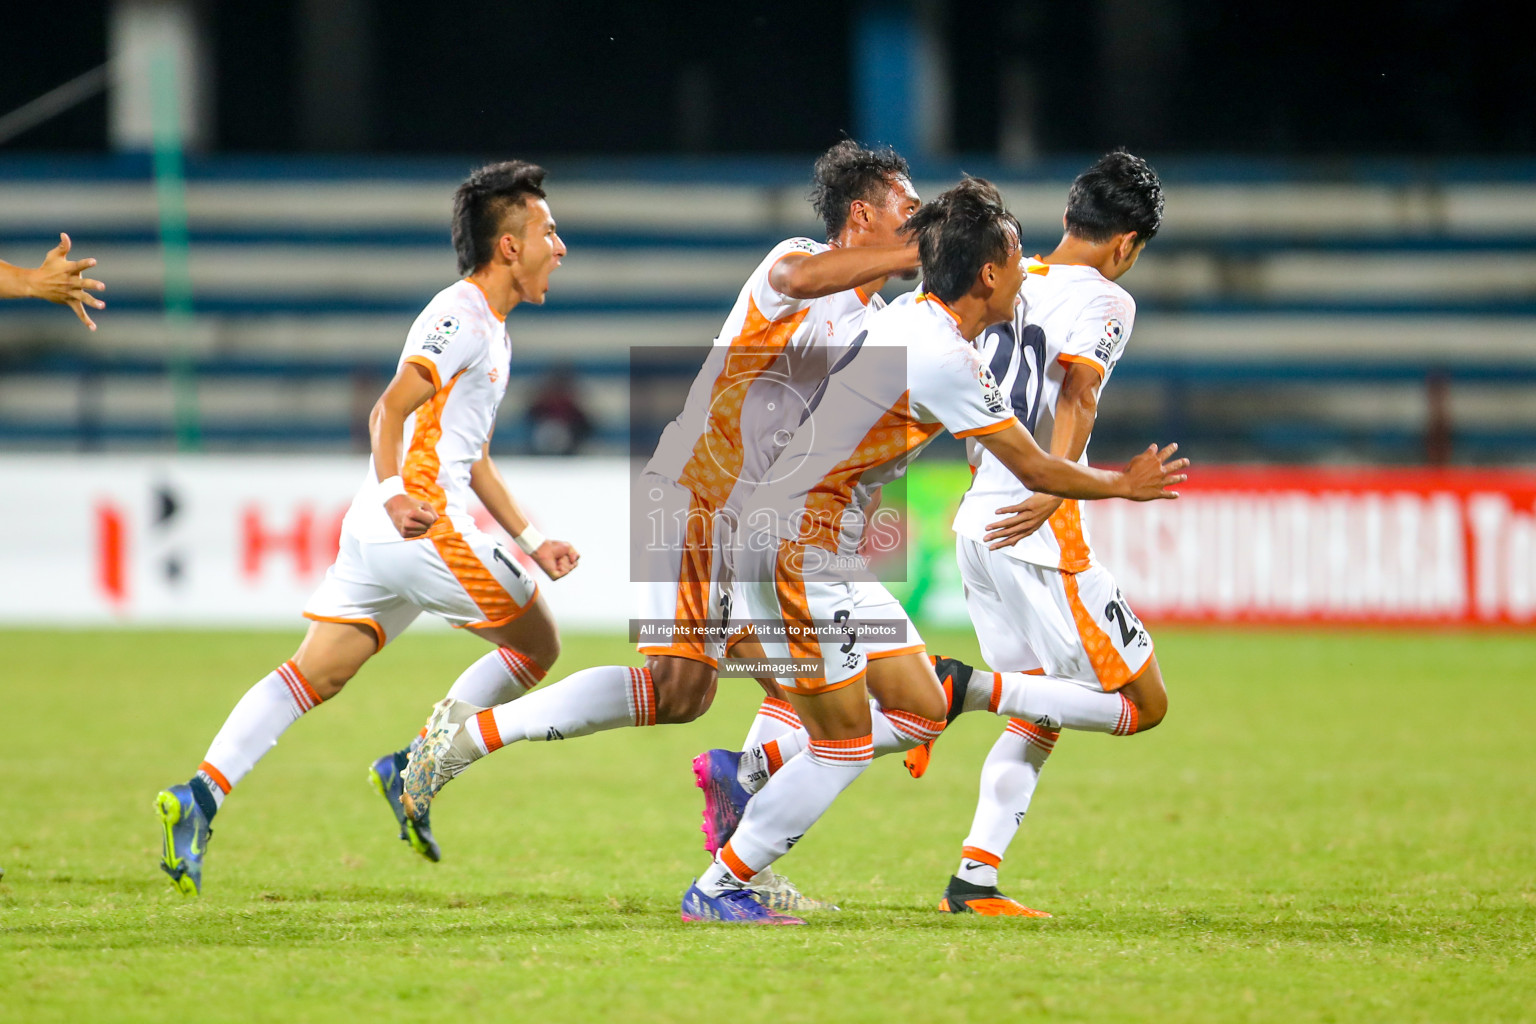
530,540
391,487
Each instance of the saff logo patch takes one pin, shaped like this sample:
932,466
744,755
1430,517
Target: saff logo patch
447,326
991,394
1110,341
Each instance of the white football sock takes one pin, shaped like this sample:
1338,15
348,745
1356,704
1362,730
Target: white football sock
893,732
1008,779
497,678
1054,703
786,808
592,700
252,728
774,718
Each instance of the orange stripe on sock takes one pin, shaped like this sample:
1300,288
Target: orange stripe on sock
735,864
914,726
309,691
775,759
1045,739
489,734
978,854
1129,717
861,748
216,775
997,693
643,690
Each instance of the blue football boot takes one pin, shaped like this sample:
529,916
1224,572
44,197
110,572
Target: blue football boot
725,800
186,838
734,906
388,777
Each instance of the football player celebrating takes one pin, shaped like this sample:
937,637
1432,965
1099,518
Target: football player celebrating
409,543
913,372
803,302
1066,649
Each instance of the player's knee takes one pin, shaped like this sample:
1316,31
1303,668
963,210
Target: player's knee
1151,708
929,704
545,650
327,682
684,689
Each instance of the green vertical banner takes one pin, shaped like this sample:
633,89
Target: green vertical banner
932,592
175,245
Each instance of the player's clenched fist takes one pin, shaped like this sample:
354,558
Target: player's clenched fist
1149,475
556,558
411,516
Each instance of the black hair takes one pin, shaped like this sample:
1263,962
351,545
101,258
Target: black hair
960,232
847,172
1119,193
480,207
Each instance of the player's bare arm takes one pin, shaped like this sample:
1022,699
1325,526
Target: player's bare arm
411,389
58,279
806,276
1145,478
1076,410
555,557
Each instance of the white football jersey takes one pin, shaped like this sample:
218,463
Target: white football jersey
462,343
1070,314
908,376
757,383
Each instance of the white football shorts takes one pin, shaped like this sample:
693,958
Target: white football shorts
469,579
1074,626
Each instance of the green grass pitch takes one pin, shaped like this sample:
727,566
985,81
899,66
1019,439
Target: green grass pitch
1328,827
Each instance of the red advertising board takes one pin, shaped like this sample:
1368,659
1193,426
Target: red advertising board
1342,545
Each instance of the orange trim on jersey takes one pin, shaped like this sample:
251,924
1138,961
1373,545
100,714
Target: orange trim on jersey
978,854
677,651
1066,525
422,463
431,368
486,295
894,434
482,587
1108,665
795,607
216,775
925,297
864,296
896,653
493,623
815,687
990,428
1038,268
714,468
1066,360
378,630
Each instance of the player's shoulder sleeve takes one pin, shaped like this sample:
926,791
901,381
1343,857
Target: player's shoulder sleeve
1100,330
447,337
772,303
952,385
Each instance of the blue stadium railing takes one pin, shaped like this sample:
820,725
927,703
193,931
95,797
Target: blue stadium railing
1177,385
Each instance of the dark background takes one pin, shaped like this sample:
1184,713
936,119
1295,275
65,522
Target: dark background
1179,76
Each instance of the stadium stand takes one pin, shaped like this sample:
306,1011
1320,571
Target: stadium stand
1379,312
